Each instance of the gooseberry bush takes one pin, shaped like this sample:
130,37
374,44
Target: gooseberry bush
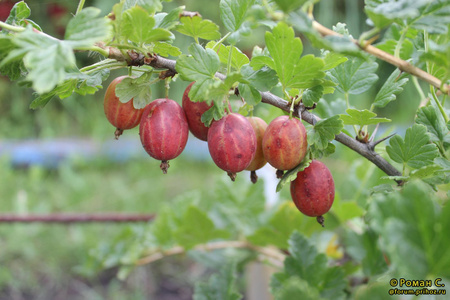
397,227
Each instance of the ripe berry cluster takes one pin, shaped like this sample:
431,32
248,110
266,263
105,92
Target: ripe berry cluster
235,143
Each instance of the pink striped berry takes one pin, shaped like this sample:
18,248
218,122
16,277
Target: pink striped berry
284,143
313,190
232,143
164,130
120,115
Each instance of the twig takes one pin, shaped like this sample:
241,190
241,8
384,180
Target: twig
68,218
274,256
399,63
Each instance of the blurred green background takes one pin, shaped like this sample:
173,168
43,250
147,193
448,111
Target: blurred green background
49,261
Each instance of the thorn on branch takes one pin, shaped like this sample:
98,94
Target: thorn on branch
373,144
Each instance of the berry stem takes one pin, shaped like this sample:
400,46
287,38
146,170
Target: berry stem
280,174
232,176
321,220
118,133
164,166
253,176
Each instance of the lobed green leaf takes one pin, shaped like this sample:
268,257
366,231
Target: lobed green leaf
290,5
151,6
198,28
435,124
312,95
392,86
355,76
138,26
361,117
197,228
86,28
324,131
238,59
415,150
222,285
291,175
137,89
233,12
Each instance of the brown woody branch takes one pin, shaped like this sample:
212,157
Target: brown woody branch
68,218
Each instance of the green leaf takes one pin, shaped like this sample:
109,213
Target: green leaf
318,153
165,49
200,67
151,6
214,113
250,95
438,58
137,89
277,230
307,264
291,175
434,18
364,249
75,82
162,229
86,28
42,100
392,86
324,131
415,150
290,5
312,95
426,172
18,14
333,59
384,12
435,124
238,59
232,13
293,71
202,64
355,76
46,59
412,224
223,286
291,288
263,79
137,26
13,68
170,20
406,47
198,28
197,228
361,117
